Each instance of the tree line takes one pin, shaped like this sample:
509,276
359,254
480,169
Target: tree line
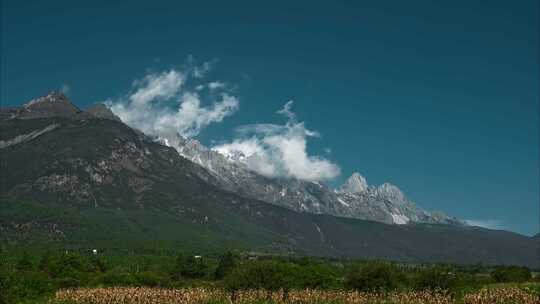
26,276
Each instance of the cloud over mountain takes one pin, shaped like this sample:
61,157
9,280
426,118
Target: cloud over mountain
280,150
163,105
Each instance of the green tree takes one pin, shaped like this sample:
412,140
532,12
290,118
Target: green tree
99,264
317,276
227,262
269,275
189,267
373,276
46,262
435,277
24,263
511,274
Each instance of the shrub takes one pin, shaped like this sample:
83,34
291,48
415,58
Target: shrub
437,277
98,264
227,262
67,282
189,267
373,276
511,274
69,266
28,285
24,263
317,276
151,279
269,275
118,278
46,262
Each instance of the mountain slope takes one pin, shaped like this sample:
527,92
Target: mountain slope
93,181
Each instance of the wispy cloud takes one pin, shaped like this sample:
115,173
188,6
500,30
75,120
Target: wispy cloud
201,70
486,223
280,150
214,85
160,104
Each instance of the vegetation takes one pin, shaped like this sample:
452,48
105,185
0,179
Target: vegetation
83,277
511,274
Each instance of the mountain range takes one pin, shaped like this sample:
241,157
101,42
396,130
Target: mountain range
354,199
77,176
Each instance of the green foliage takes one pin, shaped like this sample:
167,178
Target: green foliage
99,264
317,276
118,277
25,263
269,275
190,267
25,285
436,277
46,262
29,276
151,279
227,262
511,274
374,276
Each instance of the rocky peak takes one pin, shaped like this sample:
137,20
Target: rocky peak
392,193
355,184
54,104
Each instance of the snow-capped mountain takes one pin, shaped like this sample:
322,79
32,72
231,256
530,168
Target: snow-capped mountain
128,188
355,199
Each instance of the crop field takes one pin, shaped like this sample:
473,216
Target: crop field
135,295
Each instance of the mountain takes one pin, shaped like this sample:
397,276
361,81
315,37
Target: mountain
55,104
355,199
355,184
70,177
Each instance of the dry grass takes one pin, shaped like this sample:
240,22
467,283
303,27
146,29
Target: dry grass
501,296
133,295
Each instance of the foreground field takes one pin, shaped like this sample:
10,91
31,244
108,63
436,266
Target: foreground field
78,278
505,295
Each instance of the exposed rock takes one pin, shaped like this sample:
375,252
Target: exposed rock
54,104
27,137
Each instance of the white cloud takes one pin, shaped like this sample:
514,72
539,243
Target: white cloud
489,224
157,86
280,150
161,105
200,71
216,85
170,103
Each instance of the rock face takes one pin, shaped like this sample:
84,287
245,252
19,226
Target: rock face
355,184
55,104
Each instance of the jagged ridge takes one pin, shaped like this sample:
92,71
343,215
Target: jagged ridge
355,199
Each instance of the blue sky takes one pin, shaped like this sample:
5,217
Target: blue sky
437,97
